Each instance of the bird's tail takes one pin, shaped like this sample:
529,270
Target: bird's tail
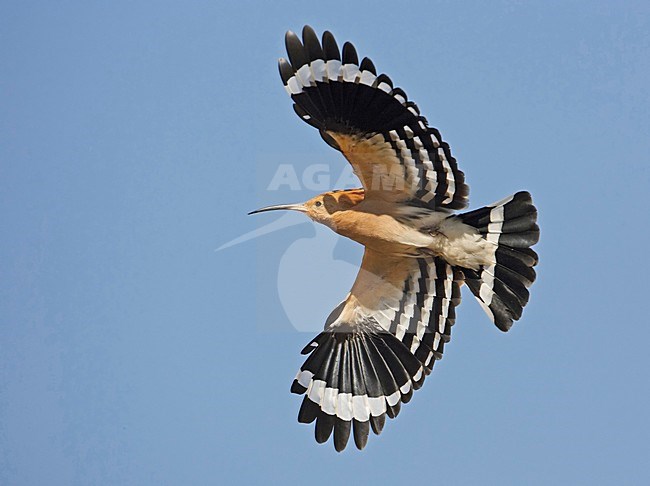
502,288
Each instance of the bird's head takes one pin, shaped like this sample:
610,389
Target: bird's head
322,207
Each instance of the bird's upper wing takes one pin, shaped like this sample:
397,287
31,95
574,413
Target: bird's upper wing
378,345
393,151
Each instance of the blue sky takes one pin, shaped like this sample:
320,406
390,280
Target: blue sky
135,138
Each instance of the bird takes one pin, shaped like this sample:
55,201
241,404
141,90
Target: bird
379,344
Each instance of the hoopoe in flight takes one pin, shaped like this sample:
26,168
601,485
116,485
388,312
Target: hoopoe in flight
384,338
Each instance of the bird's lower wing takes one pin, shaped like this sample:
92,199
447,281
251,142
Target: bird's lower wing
378,345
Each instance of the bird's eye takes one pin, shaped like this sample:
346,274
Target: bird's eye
318,204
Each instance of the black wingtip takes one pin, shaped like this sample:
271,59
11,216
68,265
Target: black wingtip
297,388
286,71
288,35
341,433
503,324
367,65
393,411
360,432
377,423
312,44
308,411
324,427
382,78
350,54
330,47
295,50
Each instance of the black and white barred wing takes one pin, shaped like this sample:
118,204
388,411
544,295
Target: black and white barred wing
393,151
378,346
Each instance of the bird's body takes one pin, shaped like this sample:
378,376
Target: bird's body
403,230
385,336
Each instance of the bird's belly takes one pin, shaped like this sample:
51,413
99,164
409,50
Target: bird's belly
449,238
461,245
384,234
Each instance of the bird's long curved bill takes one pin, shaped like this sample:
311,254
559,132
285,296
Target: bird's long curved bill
290,207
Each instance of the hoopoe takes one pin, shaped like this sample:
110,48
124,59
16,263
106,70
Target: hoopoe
384,338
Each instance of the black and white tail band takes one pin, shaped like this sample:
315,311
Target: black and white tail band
502,288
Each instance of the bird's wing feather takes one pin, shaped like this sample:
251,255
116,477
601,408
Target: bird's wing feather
393,151
378,345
